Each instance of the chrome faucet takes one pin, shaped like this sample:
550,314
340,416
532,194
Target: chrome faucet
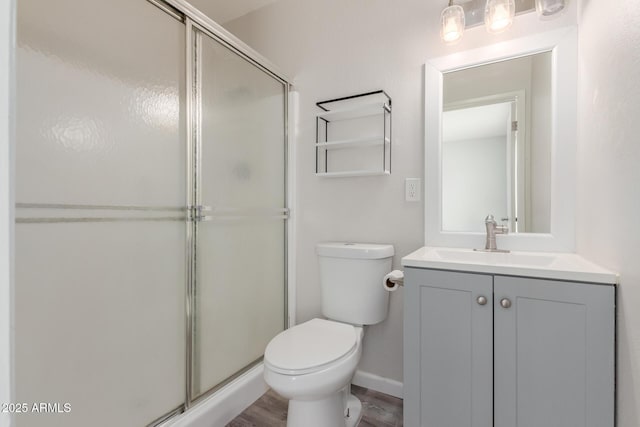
492,229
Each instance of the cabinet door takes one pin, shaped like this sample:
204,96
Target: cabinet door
448,365
554,353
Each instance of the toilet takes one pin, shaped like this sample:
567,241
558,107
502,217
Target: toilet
312,363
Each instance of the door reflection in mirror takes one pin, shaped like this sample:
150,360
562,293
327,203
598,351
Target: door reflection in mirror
477,169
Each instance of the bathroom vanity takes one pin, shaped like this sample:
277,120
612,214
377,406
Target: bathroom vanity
507,339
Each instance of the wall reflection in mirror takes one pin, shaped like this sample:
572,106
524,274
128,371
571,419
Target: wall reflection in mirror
496,145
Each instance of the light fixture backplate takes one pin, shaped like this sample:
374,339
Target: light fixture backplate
474,10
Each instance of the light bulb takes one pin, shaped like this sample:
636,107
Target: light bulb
498,15
452,24
500,18
547,8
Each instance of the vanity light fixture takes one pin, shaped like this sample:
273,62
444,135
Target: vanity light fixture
498,15
452,23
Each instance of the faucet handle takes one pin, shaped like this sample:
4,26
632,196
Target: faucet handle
502,229
490,218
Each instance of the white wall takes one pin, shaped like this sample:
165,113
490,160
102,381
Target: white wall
335,48
7,40
608,198
224,11
307,40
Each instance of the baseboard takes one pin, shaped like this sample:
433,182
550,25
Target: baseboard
378,383
226,404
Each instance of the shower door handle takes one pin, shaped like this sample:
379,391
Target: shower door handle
194,213
238,214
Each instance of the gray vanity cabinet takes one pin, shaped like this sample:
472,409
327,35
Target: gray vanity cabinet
448,349
531,353
553,353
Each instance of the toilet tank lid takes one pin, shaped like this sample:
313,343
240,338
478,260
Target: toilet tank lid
354,250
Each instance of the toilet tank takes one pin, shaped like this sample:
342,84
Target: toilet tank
351,281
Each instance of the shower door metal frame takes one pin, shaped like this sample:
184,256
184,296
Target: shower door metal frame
223,36
195,212
198,212
197,26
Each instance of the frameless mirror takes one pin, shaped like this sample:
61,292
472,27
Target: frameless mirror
496,145
500,138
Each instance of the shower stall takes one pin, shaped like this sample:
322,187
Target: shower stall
151,210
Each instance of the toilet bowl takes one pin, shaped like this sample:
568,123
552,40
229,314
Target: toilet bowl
312,364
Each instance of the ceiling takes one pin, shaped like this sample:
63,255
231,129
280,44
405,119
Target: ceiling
223,11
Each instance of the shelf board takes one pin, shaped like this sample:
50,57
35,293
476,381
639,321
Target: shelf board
351,173
355,112
355,142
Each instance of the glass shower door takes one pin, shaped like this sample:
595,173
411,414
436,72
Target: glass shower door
240,235
100,232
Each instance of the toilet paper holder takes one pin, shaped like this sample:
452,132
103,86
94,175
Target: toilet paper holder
393,280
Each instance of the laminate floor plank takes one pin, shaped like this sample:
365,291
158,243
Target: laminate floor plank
270,410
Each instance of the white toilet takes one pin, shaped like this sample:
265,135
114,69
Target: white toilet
312,363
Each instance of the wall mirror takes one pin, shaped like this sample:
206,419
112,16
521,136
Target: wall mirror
500,138
496,152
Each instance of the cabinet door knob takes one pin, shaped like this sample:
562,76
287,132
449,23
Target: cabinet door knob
482,300
505,302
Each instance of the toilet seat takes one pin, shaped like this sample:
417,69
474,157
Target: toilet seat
310,347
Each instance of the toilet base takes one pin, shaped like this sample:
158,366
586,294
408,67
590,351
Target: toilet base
354,411
327,412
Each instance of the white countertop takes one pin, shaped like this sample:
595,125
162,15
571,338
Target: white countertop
547,265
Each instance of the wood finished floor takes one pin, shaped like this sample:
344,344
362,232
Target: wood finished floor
379,410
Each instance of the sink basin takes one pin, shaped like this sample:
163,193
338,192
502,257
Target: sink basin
496,258
558,266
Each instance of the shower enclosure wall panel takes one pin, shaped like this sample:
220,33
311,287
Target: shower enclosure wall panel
100,233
